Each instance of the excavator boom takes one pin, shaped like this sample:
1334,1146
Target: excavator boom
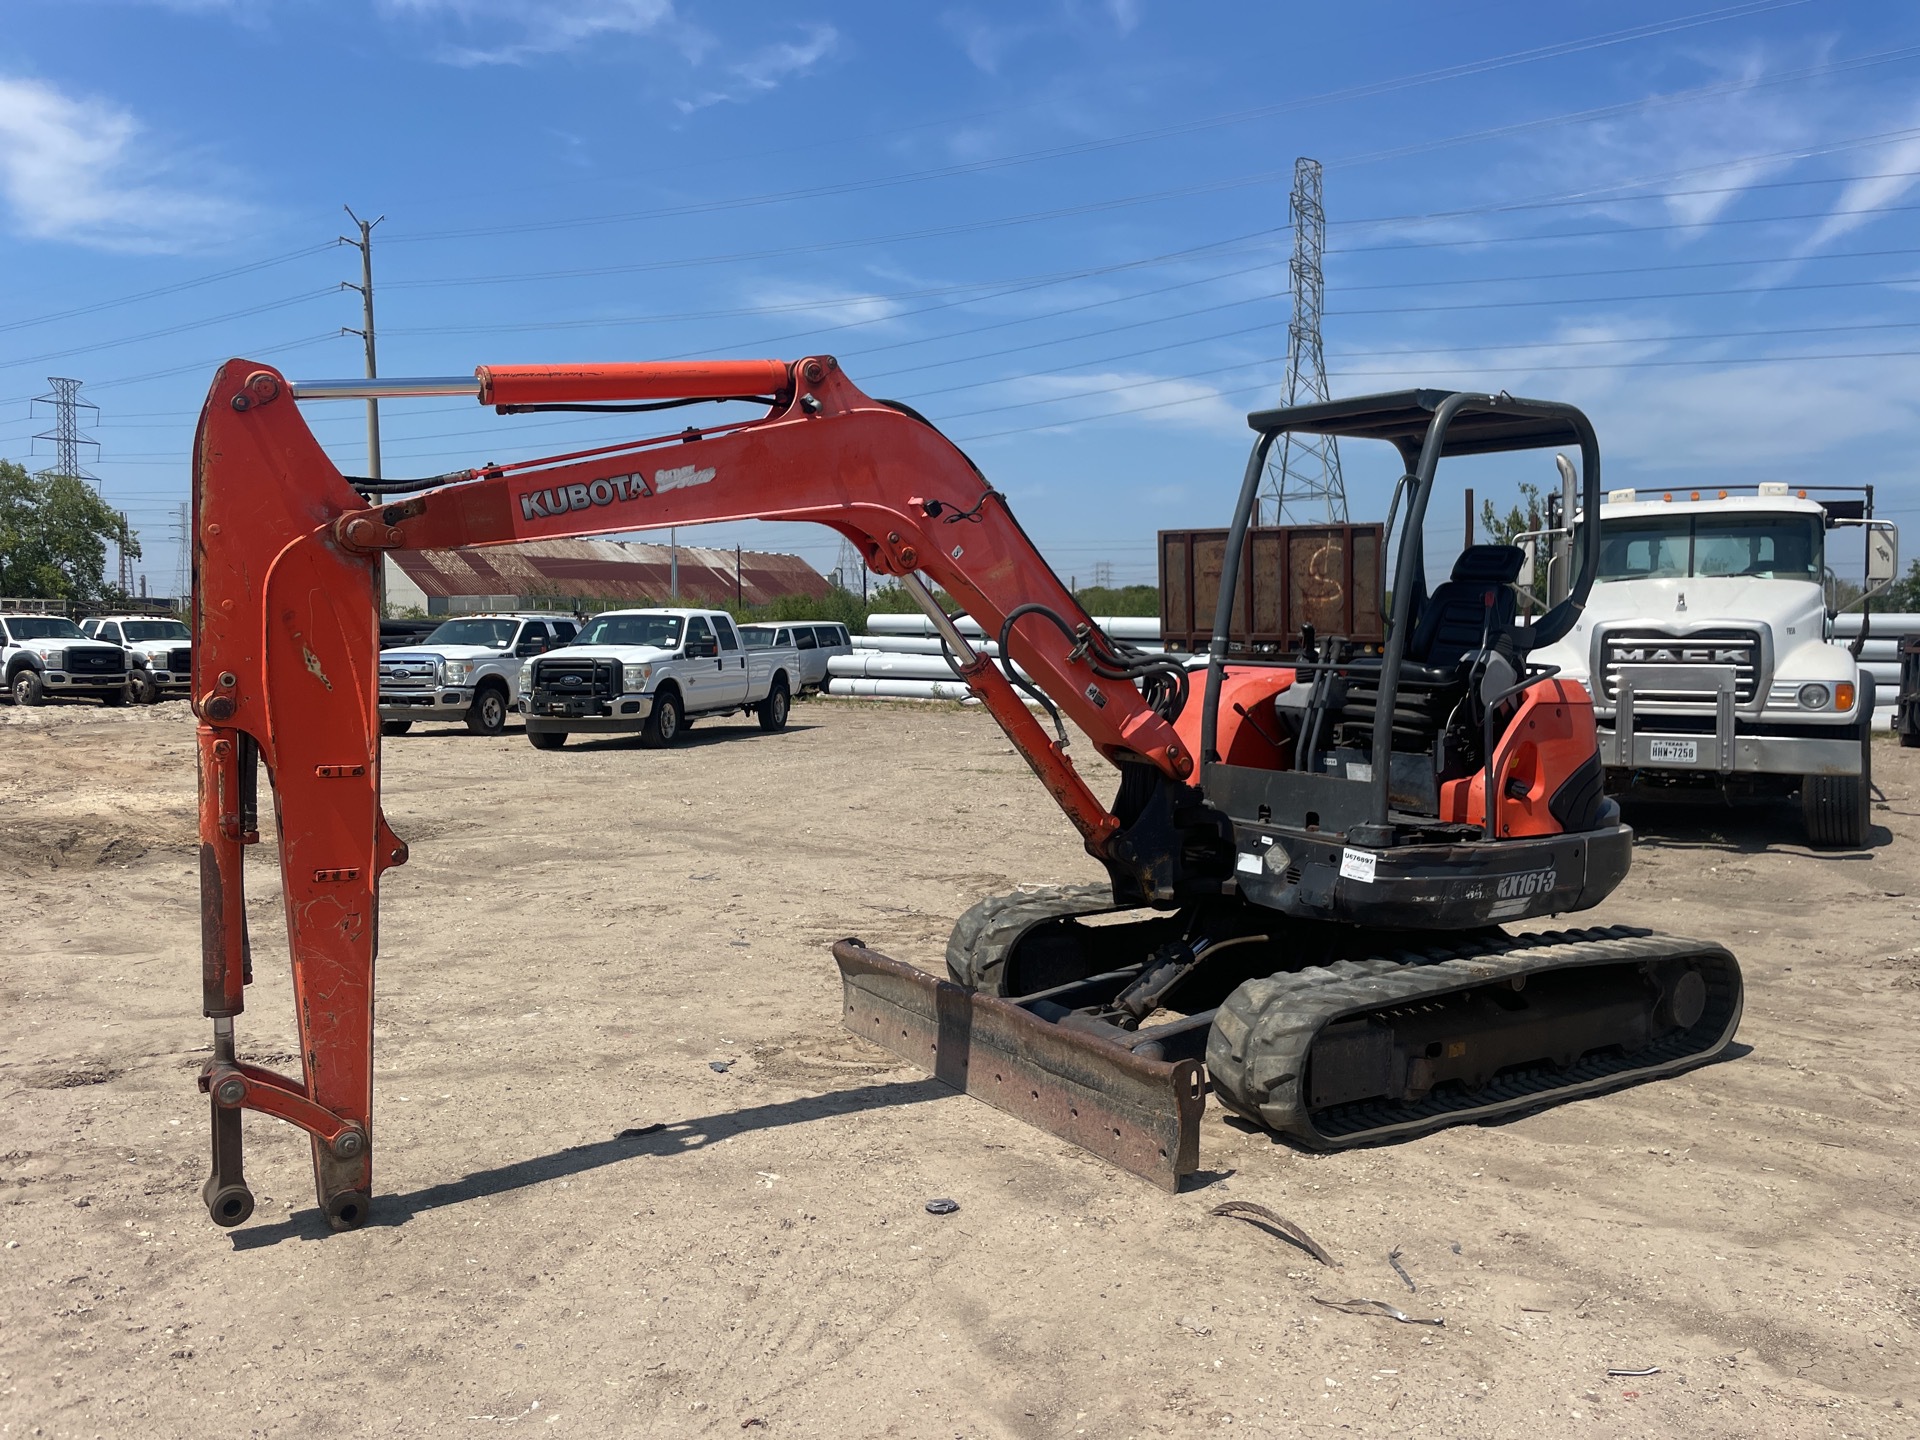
285,621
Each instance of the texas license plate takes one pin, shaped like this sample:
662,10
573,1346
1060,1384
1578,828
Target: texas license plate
1676,752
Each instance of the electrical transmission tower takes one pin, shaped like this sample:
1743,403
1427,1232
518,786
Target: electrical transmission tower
65,435
850,570
1303,473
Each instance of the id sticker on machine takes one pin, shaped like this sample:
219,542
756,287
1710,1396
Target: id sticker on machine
1358,865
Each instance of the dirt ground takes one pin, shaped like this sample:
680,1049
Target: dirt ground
580,934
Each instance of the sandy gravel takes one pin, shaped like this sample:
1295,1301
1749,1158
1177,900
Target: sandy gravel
580,934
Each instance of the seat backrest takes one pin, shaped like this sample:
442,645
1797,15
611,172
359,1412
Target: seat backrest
1454,619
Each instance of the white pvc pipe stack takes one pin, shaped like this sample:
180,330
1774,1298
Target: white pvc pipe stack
1119,627
842,687
874,665
913,645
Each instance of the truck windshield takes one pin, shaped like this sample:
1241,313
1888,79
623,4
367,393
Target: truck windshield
43,627
757,639
660,631
156,630
1767,547
494,634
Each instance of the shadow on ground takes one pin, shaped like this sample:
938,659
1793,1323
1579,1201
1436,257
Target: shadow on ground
658,1141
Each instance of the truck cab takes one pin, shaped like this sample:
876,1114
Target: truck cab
651,672
43,656
468,669
1707,644
159,652
816,642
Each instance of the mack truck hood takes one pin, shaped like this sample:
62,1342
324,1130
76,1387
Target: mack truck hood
1793,610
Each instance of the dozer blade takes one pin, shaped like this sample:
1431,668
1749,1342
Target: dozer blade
1141,1115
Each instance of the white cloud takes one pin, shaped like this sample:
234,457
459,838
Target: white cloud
1701,141
828,306
84,171
767,68
1125,14
1128,394
1885,188
514,32
983,41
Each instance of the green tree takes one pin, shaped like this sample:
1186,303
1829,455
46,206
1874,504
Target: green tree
1498,529
54,532
1902,597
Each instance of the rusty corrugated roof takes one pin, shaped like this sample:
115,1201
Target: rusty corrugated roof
608,570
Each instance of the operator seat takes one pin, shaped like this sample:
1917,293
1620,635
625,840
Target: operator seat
1475,605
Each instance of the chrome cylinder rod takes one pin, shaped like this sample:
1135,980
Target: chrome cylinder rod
399,388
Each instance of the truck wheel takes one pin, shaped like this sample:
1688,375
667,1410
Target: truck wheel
1837,808
488,713
395,727
119,697
664,725
773,709
547,739
29,688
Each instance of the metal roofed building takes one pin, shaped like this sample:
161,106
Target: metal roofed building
590,575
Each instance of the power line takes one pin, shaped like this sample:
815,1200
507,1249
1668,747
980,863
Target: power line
179,329
158,291
1193,126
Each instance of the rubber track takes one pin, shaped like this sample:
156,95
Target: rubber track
985,935
1257,1051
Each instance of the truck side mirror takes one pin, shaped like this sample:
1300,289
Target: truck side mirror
1883,557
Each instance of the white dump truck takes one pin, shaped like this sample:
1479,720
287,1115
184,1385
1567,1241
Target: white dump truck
651,672
1707,644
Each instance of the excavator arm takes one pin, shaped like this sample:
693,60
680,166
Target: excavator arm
286,639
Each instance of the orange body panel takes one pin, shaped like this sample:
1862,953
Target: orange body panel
1249,732
1550,737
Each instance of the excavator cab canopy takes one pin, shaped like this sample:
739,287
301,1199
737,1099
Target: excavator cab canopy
1478,425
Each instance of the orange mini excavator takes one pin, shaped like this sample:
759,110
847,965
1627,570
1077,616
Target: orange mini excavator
1314,853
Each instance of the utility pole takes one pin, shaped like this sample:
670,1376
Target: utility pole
365,246
673,571
182,557
126,563
736,575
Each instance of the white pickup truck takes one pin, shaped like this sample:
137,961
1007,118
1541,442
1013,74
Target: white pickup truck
1707,644
467,669
817,642
48,655
159,648
651,672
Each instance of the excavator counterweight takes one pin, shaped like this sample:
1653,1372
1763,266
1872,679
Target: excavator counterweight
1313,859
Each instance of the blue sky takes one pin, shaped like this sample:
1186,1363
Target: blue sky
1058,228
